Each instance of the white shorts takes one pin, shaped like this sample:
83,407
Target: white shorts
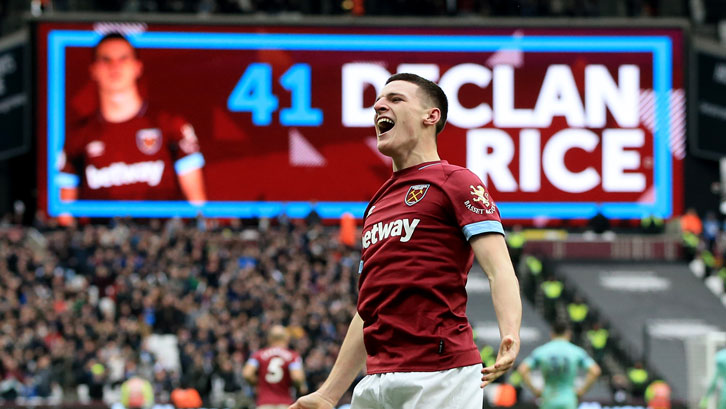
456,388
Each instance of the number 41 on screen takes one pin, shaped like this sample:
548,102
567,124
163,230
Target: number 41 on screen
253,93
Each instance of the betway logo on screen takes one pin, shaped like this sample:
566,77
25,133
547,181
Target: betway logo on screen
495,130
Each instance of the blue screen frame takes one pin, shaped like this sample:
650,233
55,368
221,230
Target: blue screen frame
659,46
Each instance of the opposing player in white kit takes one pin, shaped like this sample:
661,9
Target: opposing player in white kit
420,234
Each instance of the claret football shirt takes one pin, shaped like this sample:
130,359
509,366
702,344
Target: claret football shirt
414,265
138,159
273,370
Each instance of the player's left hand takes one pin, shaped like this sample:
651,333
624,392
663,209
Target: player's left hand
508,350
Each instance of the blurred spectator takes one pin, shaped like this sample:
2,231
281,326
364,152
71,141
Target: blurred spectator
552,291
137,393
638,377
691,223
711,230
516,241
577,311
658,395
619,389
598,337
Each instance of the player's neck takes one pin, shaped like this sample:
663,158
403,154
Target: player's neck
120,106
422,153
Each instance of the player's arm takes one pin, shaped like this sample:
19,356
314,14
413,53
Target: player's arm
189,165
192,185
69,194
298,379
249,372
593,371
493,256
526,372
68,183
350,362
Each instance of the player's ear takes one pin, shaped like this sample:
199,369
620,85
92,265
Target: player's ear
433,115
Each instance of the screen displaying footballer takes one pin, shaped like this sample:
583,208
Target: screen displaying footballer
173,120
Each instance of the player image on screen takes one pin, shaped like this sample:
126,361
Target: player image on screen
275,370
559,361
717,381
421,231
129,149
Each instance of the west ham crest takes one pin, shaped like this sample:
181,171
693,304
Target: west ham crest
149,140
416,193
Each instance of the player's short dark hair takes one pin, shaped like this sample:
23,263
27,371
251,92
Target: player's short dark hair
114,36
431,90
560,328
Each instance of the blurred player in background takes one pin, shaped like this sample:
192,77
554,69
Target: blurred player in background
559,361
275,370
420,234
129,150
718,380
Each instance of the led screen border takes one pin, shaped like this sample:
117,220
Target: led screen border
659,46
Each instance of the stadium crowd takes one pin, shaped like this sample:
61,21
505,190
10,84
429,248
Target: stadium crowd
81,303
700,11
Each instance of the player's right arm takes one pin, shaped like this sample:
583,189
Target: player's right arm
350,362
249,372
67,180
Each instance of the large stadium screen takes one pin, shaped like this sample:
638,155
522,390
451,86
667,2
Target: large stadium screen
252,121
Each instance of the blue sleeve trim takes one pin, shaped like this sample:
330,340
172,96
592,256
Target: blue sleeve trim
189,163
295,365
253,362
360,267
487,226
67,180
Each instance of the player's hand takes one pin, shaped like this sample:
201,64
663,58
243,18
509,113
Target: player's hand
537,392
580,393
508,350
312,401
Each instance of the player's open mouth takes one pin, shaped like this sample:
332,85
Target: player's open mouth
385,124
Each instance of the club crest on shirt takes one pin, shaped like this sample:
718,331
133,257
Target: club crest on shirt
416,193
481,197
149,140
95,149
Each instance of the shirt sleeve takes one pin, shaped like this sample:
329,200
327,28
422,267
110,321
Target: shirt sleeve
473,207
532,361
185,147
254,360
296,363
